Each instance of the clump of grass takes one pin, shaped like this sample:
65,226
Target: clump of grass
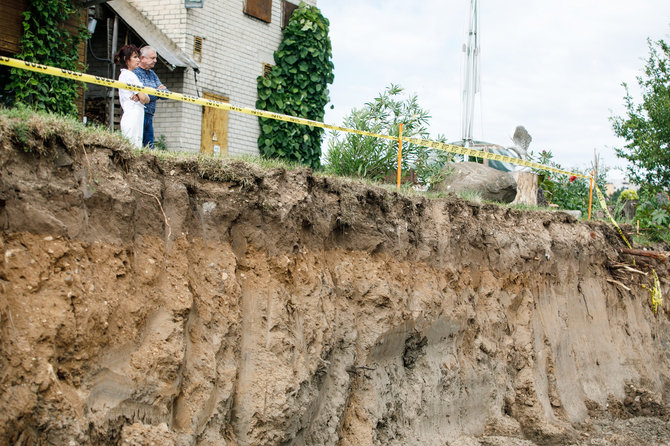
471,195
211,161
44,133
524,207
168,155
227,170
271,163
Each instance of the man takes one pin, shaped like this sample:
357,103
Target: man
149,79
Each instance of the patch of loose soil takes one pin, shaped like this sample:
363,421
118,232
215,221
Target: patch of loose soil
177,303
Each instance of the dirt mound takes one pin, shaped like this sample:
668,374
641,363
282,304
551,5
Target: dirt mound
149,301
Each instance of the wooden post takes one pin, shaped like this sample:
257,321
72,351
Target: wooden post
526,188
399,155
591,195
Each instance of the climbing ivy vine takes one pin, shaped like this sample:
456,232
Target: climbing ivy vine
46,40
297,86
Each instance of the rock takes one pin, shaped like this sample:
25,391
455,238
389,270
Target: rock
490,183
63,159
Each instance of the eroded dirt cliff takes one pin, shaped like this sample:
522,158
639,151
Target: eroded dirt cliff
182,303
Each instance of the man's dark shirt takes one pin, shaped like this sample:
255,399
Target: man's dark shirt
148,79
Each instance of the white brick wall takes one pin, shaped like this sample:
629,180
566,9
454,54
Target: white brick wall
234,49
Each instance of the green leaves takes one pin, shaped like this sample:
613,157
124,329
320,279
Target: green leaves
297,86
653,214
646,128
45,40
569,193
375,158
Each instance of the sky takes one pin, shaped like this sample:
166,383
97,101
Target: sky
554,66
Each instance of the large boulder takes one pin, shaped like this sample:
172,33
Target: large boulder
490,183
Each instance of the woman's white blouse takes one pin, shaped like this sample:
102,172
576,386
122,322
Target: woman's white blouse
128,77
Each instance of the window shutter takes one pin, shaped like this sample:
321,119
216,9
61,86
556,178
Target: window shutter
287,12
11,25
197,48
261,9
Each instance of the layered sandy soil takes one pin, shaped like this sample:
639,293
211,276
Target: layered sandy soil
215,303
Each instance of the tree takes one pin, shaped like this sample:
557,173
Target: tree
377,158
297,86
646,128
47,40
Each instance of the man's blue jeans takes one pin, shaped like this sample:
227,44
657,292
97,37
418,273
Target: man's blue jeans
148,134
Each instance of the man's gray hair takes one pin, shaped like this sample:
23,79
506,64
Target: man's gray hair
145,50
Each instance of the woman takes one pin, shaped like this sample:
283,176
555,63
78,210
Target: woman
132,121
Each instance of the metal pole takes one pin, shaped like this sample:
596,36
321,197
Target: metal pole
471,74
115,36
590,195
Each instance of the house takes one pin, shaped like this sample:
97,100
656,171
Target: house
213,49
208,48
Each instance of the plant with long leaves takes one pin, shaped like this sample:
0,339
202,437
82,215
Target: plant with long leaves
376,158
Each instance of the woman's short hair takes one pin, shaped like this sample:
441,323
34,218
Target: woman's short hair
125,52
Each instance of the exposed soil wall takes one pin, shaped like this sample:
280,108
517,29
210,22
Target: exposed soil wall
209,304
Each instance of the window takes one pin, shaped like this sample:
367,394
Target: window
267,68
261,9
194,3
287,12
11,26
197,48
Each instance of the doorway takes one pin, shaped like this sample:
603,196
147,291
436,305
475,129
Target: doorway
214,136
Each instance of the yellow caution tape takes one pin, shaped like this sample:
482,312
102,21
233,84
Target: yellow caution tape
603,204
91,79
491,156
656,295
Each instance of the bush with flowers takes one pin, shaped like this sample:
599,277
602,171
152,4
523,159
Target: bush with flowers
567,192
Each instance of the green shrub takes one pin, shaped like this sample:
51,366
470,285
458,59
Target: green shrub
571,193
297,86
46,40
161,142
653,213
628,195
377,158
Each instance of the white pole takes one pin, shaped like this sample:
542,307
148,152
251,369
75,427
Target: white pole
115,36
471,74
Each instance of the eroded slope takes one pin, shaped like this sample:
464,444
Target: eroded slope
217,303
